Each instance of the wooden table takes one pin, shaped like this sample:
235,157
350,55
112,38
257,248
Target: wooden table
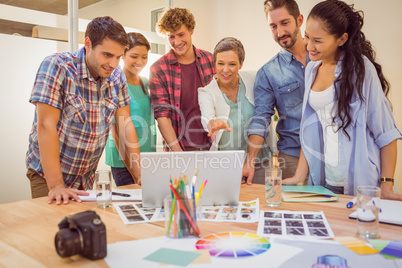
27,228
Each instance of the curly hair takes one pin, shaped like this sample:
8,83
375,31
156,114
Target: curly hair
339,18
173,18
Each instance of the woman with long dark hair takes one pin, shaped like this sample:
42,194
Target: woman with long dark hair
348,133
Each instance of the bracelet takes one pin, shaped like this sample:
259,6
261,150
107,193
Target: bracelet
383,179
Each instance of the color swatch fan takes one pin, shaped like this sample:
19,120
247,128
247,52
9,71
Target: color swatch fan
233,244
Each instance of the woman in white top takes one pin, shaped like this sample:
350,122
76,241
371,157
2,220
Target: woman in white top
348,133
227,102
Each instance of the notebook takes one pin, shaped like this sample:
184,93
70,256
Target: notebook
222,169
390,212
307,193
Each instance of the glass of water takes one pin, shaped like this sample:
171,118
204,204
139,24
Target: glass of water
103,187
273,187
368,207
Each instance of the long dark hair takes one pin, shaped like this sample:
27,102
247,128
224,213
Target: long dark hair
137,39
339,18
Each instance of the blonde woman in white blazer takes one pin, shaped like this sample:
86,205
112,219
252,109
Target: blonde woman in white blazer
227,102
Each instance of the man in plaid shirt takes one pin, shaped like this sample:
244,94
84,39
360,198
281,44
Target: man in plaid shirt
77,96
174,82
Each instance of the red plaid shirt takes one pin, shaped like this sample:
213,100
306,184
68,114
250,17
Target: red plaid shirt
165,85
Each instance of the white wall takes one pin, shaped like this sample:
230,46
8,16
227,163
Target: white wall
19,63
130,13
202,12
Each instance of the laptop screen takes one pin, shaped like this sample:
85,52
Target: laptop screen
222,169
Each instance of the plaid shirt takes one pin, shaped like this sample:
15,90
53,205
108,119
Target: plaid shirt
165,86
87,111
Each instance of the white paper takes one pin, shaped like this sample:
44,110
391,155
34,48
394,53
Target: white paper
302,224
132,253
243,212
135,195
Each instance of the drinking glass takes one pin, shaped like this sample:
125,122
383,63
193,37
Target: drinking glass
368,207
273,187
103,187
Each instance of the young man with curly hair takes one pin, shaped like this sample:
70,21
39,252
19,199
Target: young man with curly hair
174,81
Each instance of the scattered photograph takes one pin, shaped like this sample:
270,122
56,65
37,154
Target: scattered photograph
273,230
315,224
211,216
318,232
230,210
135,218
134,213
312,216
295,231
228,216
212,209
294,223
126,207
242,212
272,223
246,216
130,212
272,215
247,210
289,223
292,216
148,210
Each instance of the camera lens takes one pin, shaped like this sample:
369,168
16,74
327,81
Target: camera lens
68,242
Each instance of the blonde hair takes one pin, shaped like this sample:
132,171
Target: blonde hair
172,20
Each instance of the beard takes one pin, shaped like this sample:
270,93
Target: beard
291,42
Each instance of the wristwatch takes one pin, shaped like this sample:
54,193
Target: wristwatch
383,179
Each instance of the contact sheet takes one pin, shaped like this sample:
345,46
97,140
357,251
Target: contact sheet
294,223
134,212
243,212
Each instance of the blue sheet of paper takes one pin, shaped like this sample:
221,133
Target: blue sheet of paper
173,256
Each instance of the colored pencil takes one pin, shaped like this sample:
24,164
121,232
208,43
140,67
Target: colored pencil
194,204
185,210
173,209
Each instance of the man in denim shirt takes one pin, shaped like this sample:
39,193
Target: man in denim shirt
280,84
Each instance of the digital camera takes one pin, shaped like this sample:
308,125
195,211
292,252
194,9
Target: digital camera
83,233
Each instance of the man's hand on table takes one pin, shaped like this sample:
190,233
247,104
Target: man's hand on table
61,193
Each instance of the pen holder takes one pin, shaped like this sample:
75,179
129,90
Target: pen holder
181,218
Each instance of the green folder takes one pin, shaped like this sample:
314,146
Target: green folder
307,193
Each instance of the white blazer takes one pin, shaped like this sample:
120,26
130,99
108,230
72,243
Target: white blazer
213,106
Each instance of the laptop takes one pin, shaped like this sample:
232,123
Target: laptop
222,169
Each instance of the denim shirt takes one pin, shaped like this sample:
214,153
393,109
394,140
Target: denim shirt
280,84
372,127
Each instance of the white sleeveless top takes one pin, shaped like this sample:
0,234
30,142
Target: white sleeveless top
323,103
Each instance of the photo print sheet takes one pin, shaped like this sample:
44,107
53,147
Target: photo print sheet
294,223
133,212
243,212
